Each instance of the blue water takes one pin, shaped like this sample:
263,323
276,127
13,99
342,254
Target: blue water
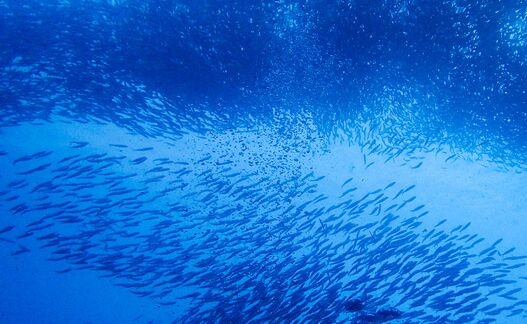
263,162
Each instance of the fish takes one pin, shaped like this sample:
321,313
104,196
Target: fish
36,169
6,229
34,156
345,182
253,243
354,305
77,145
417,166
21,250
139,160
144,149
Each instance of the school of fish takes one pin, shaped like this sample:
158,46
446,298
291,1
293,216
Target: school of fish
242,230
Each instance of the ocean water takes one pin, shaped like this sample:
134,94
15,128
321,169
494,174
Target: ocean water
287,161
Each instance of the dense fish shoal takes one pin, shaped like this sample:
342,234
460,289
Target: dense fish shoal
229,236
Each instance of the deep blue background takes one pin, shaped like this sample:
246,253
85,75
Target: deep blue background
470,55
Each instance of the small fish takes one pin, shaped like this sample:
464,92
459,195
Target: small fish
310,174
39,168
440,223
418,165
417,208
465,227
139,160
22,249
450,157
390,185
77,145
33,156
144,149
206,158
409,188
348,191
6,229
354,305
66,270
346,182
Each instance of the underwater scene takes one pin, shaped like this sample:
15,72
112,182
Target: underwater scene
286,161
